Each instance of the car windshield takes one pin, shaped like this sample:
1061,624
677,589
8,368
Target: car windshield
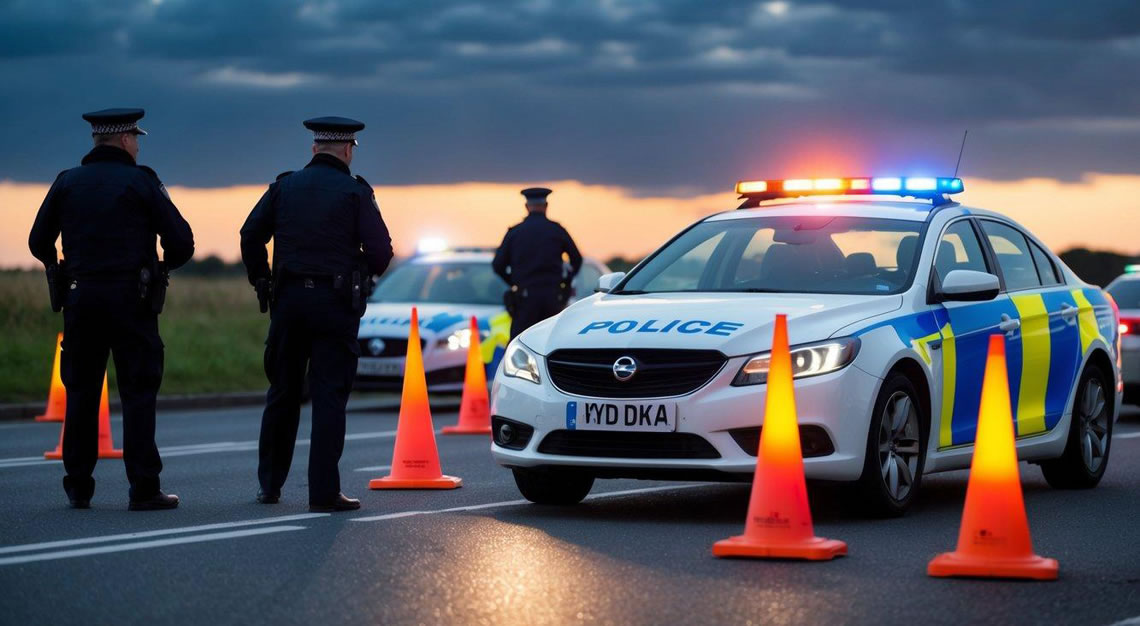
441,283
1126,293
792,254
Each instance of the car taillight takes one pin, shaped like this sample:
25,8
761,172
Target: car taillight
1130,326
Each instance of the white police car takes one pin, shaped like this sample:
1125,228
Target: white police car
447,287
890,303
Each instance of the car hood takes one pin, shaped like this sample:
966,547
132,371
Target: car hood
733,323
383,319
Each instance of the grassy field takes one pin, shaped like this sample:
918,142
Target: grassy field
213,333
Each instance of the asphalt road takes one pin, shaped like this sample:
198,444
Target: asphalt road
635,553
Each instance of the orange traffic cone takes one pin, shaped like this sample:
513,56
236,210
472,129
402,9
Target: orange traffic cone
415,460
779,520
994,538
106,445
57,396
474,409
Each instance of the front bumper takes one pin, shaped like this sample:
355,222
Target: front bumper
443,368
839,404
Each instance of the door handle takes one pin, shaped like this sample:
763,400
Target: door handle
1008,324
1069,312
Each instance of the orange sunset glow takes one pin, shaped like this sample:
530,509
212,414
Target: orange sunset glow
608,220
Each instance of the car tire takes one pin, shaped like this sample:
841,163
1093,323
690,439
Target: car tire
551,486
896,451
1085,458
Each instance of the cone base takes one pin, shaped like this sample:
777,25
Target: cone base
957,564
53,455
48,418
388,482
57,455
813,549
460,429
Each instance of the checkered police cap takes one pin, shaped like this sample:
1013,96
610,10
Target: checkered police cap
326,129
114,121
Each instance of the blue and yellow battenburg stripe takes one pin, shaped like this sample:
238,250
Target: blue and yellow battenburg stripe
1043,356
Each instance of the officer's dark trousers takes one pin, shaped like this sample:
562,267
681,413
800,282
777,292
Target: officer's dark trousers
101,319
537,305
311,328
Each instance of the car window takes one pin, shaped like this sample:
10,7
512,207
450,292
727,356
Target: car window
794,254
443,283
1046,271
959,249
1013,256
1126,293
586,280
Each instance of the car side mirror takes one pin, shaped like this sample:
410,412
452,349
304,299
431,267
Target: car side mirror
969,286
606,282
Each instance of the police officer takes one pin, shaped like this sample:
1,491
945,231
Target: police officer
110,286
530,261
328,242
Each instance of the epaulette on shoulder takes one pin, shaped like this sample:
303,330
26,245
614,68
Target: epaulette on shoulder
150,171
360,179
284,174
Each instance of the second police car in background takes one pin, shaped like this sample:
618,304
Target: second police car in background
447,287
890,304
1125,289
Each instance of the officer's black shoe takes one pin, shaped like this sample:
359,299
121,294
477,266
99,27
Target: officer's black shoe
80,503
340,503
158,502
268,497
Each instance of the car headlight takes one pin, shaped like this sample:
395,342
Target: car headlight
811,360
520,362
460,339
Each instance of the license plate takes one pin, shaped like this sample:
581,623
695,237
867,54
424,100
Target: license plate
380,367
633,416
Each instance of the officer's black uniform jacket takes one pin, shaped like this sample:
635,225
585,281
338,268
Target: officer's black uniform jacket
320,218
533,252
108,211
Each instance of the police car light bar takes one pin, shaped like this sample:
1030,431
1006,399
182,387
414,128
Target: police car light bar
914,186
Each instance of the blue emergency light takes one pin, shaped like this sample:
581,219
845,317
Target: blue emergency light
924,187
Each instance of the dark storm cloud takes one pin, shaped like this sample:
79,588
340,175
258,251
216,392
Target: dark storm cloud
674,94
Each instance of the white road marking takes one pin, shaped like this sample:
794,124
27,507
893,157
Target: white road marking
202,448
374,468
141,545
1131,621
48,545
1126,435
506,503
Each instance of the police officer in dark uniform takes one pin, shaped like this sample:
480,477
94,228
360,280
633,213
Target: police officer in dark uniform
110,286
530,261
328,242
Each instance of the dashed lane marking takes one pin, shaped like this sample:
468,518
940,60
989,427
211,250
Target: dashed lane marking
65,543
506,503
142,545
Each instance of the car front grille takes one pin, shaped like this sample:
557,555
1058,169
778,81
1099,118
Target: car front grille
627,445
392,347
660,372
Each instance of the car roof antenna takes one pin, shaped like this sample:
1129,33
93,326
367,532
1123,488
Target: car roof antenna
961,150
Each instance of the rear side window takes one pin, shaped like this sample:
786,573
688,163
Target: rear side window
959,249
1013,256
1046,270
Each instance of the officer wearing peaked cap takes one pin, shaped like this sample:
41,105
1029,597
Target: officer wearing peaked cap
110,286
530,260
328,242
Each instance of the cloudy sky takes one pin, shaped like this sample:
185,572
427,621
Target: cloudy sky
647,99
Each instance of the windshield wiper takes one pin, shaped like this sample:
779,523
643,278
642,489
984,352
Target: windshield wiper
630,292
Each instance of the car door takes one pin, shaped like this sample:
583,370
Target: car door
1030,360
965,334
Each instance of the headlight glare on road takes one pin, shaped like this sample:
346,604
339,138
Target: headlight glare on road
811,360
521,363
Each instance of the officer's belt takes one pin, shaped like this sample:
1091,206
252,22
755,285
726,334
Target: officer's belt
309,281
110,277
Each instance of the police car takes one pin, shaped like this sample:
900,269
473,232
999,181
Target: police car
1125,290
447,286
891,291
